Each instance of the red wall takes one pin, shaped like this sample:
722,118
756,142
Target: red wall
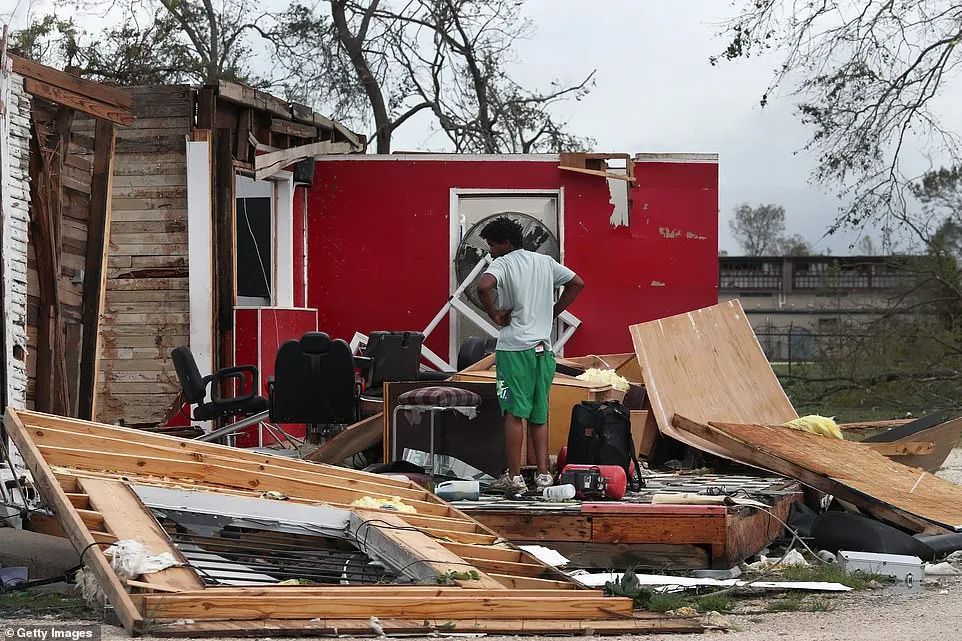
378,243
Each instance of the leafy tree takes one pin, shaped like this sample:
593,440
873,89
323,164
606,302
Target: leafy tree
865,74
760,231
374,62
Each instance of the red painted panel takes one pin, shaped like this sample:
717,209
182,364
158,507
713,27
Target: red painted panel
259,334
379,243
664,262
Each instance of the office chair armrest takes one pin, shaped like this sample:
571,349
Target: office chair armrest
218,378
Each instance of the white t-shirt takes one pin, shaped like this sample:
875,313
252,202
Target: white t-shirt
526,285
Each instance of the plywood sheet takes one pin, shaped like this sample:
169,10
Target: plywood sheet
707,365
877,479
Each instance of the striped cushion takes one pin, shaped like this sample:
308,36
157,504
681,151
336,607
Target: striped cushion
440,396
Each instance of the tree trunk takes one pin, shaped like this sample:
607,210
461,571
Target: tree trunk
354,48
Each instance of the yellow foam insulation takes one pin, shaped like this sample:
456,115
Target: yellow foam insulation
821,425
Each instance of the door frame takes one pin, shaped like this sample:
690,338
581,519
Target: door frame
454,238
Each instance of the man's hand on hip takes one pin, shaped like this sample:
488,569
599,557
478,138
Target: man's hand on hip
502,317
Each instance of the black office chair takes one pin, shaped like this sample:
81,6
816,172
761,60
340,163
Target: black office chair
474,348
194,387
314,384
389,357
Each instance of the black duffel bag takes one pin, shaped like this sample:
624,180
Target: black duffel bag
600,434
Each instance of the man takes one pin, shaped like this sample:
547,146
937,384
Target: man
525,283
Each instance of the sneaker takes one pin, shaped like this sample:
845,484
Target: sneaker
543,480
507,485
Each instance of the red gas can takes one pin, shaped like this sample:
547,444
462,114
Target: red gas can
616,483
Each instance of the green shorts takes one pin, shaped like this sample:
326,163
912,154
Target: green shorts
524,382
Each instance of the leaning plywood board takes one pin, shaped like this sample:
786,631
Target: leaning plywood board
707,365
107,483
876,484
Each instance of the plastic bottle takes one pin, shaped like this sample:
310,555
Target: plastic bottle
559,492
458,490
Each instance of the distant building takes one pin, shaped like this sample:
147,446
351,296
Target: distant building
794,301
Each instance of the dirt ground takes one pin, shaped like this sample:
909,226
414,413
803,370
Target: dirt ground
867,615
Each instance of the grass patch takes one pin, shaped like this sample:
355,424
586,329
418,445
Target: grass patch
830,573
800,603
44,603
714,602
668,601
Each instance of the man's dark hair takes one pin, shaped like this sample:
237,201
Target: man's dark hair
503,229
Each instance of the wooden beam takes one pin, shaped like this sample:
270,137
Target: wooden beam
95,272
38,419
172,606
73,525
641,623
125,517
281,126
270,163
248,472
224,225
412,553
44,164
79,102
220,474
355,438
902,448
55,77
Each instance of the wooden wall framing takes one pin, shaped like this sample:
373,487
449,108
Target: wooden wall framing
83,471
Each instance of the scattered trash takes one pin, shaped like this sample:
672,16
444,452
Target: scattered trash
130,559
276,496
730,573
664,583
717,620
607,376
827,556
375,624
546,555
793,557
815,424
686,611
941,569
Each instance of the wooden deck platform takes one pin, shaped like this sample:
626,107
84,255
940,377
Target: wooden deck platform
618,535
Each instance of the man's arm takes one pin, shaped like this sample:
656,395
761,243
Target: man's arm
569,292
501,318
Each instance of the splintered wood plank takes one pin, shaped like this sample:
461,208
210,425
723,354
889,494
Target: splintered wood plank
414,553
647,623
707,365
907,497
229,607
355,438
427,591
126,518
899,448
742,452
223,475
78,101
73,526
449,525
49,75
872,475
178,449
40,419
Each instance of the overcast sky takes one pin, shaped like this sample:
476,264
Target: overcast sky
657,92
